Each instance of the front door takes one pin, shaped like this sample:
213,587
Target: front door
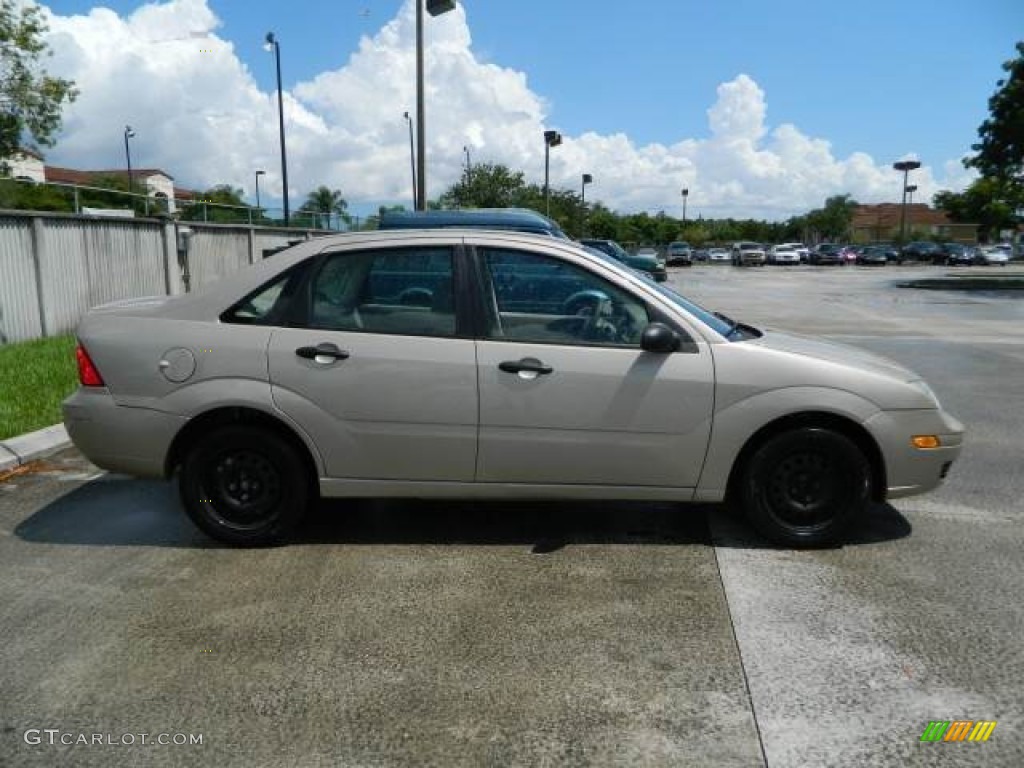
566,393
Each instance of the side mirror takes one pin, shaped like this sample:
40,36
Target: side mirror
659,339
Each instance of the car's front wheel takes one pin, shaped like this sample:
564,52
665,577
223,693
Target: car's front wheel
244,485
805,487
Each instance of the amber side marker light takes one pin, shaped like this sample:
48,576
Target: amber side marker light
88,374
925,441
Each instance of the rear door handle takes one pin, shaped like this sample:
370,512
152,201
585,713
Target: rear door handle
526,365
325,352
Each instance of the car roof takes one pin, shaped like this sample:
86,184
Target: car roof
519,219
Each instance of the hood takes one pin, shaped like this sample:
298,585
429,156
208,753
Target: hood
834,352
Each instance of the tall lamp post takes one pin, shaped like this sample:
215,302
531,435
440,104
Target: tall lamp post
551,139
434,8
906,166
412,163
258,174
587,179
129,134
272,44
686,194
910,193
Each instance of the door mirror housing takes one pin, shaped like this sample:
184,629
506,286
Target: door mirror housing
659,339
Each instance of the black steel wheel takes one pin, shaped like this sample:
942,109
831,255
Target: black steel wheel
805,487
244,485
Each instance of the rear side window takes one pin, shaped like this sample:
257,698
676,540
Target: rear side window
405,291
267,304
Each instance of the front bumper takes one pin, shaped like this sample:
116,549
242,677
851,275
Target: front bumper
911,470
133,441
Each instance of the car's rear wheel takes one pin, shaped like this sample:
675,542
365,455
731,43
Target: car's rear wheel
805,487
244,485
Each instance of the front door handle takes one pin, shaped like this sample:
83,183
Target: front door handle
526,365
322,353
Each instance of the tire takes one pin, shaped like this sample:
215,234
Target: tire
805,487
244,486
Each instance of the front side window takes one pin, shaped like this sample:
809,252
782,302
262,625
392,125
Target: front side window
405,291
535,298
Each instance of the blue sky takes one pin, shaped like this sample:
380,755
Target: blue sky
633,88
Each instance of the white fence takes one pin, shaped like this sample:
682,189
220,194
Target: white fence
53,267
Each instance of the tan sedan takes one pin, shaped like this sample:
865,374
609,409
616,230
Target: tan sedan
486,364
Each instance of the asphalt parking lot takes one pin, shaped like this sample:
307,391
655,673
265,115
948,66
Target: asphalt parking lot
510,634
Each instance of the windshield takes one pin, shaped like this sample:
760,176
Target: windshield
709,319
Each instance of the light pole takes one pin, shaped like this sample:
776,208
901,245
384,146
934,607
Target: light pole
906,166
129,134
273,45
686,194
412,162
258,174
434,8
910,192
551,139
587,179
469,166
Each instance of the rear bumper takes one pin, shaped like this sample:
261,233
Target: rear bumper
133,441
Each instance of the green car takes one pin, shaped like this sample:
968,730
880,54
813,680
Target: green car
649,263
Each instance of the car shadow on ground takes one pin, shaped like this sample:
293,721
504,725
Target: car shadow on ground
118,511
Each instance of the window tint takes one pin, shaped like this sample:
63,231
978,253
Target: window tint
541,299
405,291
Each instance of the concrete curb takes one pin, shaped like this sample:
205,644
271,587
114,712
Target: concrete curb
16,451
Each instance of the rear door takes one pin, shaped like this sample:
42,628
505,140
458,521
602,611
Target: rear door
380,372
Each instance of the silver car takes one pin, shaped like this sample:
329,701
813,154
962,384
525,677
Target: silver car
484,364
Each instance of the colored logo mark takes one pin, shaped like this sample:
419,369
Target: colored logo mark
958,730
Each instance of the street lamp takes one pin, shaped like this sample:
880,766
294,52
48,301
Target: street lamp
412,161
910,191
434,8
272,44
906,166
469,165
128,134
587,179
686,194
551,139
258,174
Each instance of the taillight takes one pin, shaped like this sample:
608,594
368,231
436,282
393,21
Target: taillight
88,374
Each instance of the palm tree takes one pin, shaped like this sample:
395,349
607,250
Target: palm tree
327,202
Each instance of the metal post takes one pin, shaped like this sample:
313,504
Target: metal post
686,194
412,162
547,173
276,46
421,116
128,134
906,166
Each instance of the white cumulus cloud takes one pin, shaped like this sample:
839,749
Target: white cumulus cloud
168,70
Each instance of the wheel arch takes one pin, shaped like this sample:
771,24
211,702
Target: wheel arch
204,423
824,420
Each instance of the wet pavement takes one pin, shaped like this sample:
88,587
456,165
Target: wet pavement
546,634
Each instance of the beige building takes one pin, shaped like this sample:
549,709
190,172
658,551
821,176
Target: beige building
28,165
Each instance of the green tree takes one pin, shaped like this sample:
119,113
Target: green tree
326,203
486,186
30,100
988,202
1000,153
222,203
